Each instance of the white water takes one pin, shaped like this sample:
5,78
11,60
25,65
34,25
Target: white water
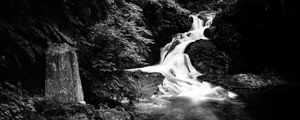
180,75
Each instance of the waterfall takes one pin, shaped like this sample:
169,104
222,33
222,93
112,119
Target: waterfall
180,75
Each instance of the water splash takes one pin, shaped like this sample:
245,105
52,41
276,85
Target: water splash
180,75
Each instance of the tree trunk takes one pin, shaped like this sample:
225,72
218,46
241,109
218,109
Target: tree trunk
63,82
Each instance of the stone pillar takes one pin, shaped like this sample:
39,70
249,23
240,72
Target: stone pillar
63,82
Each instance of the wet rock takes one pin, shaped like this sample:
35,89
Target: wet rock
250,80
206,58
253,81
78,116
62,75
243,84
146,83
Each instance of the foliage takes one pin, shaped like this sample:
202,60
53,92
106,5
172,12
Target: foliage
121,38
106,113
112,90
165,18
145,83
119,41
215,5
52,110
16,104
27,27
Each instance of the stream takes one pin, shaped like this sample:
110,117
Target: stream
182,96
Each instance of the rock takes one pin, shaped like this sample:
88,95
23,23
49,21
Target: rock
146,83
243,84
250,80
206,58
78,116
62,74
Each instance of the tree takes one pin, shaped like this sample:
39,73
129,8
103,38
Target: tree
118,42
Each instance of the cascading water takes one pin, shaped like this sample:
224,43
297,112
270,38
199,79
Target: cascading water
180,75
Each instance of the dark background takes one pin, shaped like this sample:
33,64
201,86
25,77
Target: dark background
270,29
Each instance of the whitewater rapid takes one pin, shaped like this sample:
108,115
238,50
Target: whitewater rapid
180,75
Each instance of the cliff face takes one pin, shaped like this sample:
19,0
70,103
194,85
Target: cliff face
27,27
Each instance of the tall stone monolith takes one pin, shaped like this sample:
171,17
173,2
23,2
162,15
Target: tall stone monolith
63,82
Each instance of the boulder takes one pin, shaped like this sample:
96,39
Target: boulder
63,82
146,84
206,58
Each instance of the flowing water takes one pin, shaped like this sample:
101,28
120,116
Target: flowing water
182,96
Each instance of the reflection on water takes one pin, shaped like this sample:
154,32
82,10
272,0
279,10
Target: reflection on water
181,108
